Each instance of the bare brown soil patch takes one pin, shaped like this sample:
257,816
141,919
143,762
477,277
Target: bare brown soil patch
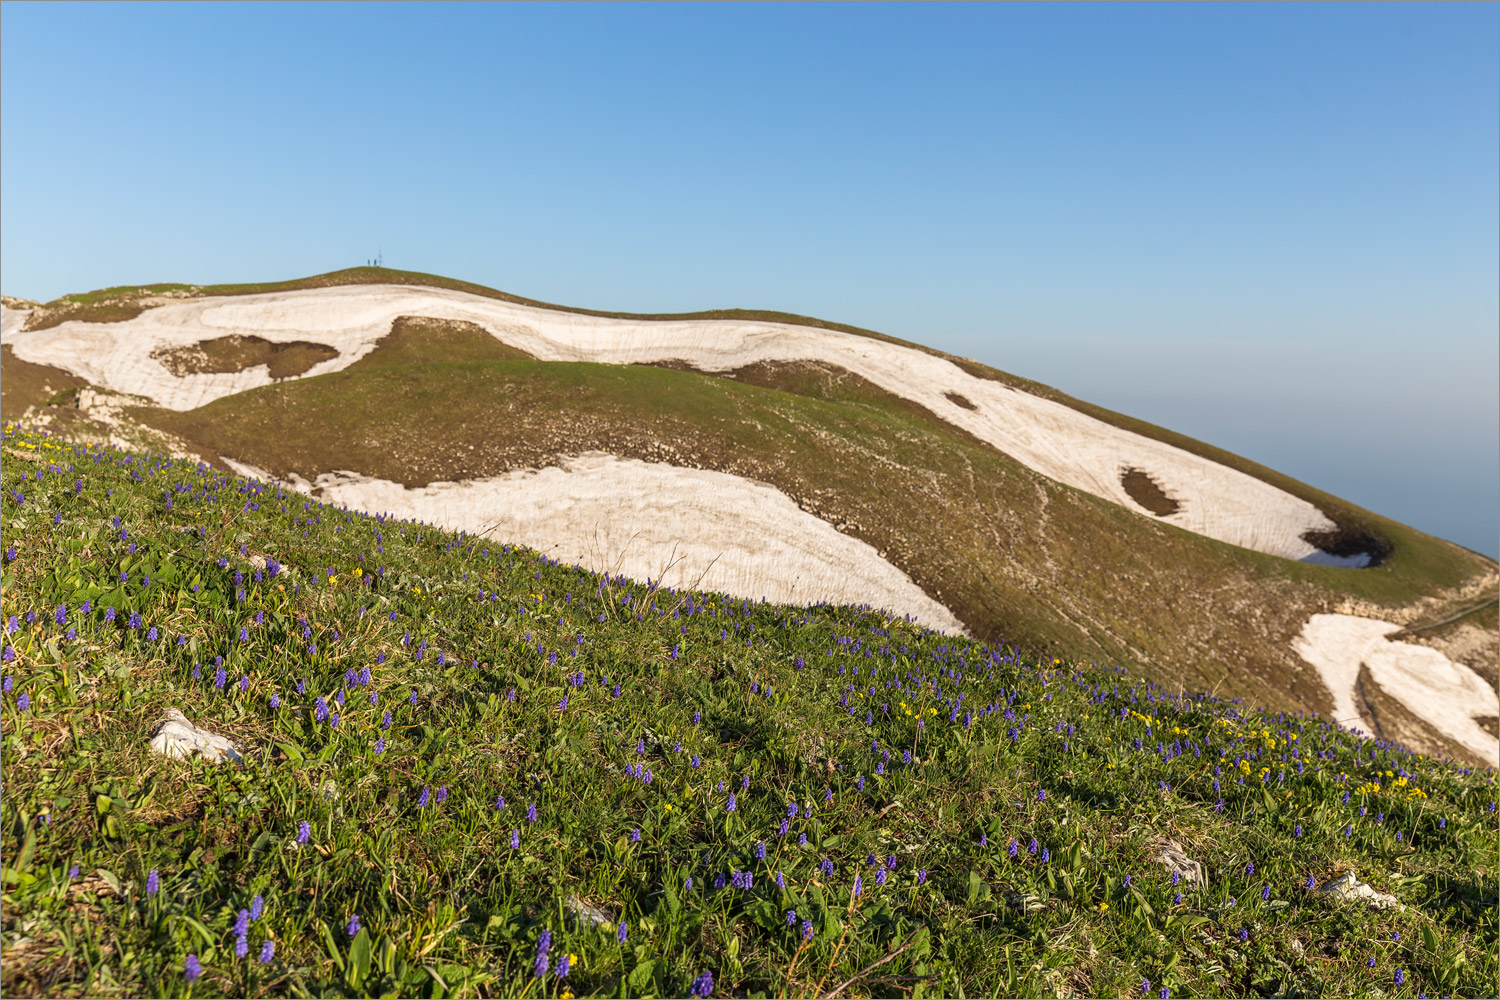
1147,492
24,385
959,399
422,340
235,353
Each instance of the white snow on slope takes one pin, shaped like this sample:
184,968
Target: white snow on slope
1447,695
12,320
1051,438
688,528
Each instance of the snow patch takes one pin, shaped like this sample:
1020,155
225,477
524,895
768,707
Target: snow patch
1049,437
689,528
11,320
1449,696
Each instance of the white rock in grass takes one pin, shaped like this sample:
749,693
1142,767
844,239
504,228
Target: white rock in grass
178,738
1348,888
587,912
1169,854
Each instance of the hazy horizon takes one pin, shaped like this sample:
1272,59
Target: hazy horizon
1270,228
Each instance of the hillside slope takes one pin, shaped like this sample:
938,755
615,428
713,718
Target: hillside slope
467,769
984,502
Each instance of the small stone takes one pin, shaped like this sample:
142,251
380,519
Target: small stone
178,738
1170,855
1348,888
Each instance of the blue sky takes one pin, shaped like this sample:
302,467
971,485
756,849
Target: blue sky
1273,227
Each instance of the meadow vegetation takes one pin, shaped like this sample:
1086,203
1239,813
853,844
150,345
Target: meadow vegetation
467,770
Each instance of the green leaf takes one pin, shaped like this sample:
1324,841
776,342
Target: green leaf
640,977
359,959
333,946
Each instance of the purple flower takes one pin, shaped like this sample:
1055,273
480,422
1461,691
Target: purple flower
1400,976
191,970
23,702
623,932
242,946
304,831
515,838
731,807
531,813
703,986
564,965
153,882
257,905
423,798
242,923
353,926
379,746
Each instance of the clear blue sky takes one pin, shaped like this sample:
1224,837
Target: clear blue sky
1273,227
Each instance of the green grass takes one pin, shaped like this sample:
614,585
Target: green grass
449,629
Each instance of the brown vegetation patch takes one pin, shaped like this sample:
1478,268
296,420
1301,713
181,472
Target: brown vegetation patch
959,399
24,385
423,340
235,353
46,317
1147,492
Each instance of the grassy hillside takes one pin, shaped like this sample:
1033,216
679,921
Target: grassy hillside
454,751
1017,556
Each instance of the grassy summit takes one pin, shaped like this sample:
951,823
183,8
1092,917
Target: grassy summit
462,763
